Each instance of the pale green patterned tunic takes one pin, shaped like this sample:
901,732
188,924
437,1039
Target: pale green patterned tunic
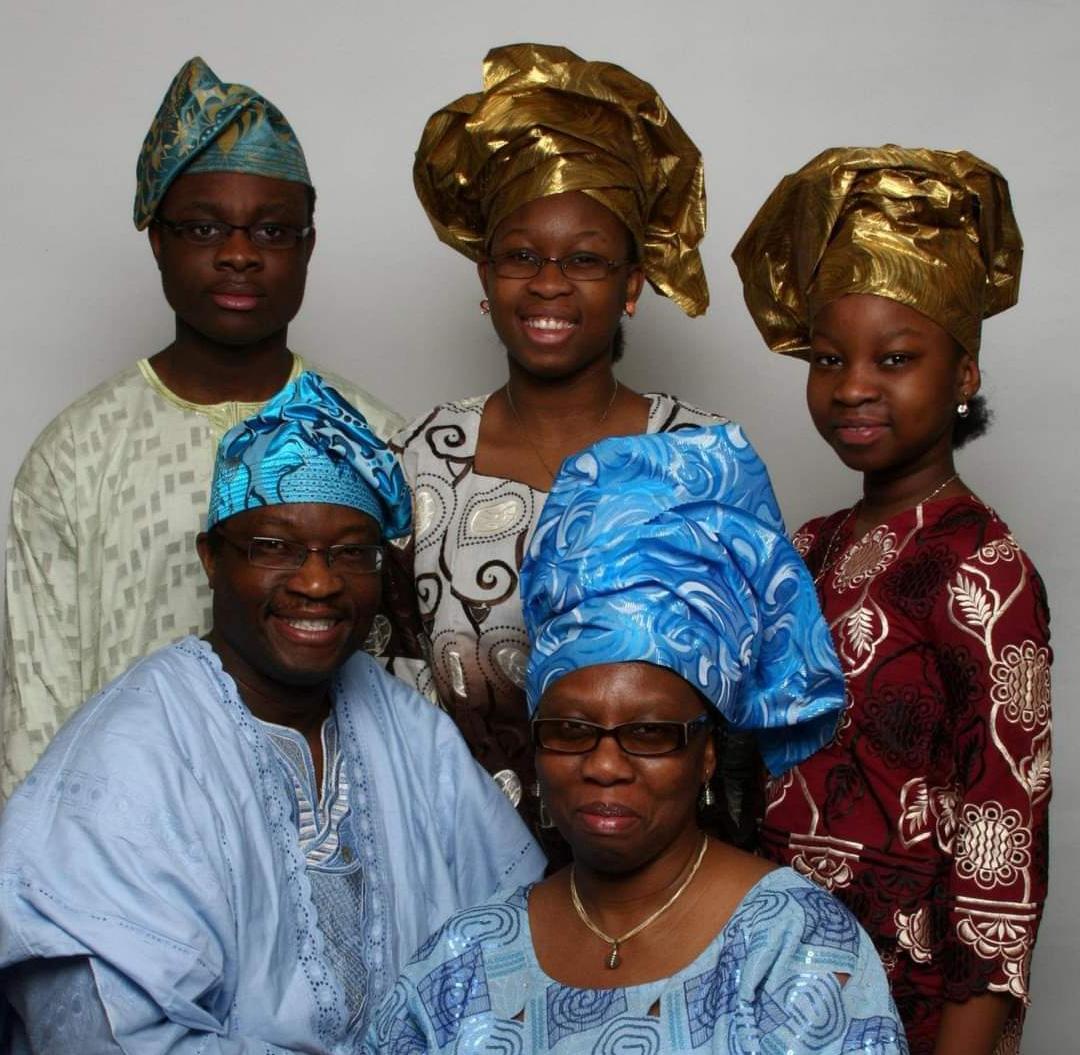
101,561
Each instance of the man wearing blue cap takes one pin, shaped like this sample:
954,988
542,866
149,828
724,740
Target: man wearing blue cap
237,844
101,563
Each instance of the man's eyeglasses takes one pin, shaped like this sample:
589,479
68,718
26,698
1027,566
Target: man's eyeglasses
263,235
578,267
278,554
571,737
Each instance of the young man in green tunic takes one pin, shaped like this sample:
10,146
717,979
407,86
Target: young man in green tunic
101,561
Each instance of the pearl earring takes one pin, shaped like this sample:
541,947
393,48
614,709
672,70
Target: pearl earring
485,307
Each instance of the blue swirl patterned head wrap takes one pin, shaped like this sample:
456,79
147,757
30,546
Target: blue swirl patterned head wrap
206,125
308,444
670,549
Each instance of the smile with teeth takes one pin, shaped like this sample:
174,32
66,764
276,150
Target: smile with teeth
542,322
315,625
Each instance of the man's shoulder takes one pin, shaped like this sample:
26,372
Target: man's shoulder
107,408
157,704
366,684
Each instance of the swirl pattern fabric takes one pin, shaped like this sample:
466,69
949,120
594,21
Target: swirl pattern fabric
670,549
767,982
206,125
932,229
309,444
548,121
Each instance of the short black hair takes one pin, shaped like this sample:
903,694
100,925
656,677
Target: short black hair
310,204
973,424
618,343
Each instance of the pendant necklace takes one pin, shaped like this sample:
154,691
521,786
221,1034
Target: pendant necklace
529,440
614,959
825,564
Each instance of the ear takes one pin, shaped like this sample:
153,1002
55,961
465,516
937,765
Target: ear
635,283
309,245
207,554
482,271
153,235
968,377
708,759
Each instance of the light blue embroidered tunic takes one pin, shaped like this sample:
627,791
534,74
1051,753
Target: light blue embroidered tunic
767,984
171,881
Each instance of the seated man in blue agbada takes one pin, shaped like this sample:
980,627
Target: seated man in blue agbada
235,845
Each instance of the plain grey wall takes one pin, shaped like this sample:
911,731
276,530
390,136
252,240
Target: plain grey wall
760,86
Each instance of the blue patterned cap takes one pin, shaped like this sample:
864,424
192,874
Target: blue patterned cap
308,444
205,125
670,549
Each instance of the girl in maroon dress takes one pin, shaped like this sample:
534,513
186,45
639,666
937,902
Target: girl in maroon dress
927,814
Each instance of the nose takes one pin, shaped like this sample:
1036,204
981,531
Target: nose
315,577
238,253
856,385
549,281
607,763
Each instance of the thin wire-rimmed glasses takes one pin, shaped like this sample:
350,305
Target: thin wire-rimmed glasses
567,736
262,235
278,554
577,267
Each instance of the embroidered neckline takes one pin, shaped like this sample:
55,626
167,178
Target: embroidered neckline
220,415
472,432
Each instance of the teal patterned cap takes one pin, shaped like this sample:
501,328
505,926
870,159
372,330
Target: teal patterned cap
205,125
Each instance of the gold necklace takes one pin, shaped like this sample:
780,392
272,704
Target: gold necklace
529,440
851,512
614,959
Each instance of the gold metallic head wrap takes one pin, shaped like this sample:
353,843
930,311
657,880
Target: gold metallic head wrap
547,122
929,228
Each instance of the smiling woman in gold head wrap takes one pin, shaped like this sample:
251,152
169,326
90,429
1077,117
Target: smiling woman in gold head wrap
928,813
570,184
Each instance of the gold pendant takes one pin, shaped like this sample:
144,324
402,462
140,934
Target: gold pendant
614,959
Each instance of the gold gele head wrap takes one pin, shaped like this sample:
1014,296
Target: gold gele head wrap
548,121
931,229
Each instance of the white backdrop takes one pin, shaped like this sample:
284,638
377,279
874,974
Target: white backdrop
760,86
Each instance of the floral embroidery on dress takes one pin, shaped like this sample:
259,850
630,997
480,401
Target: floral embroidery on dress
992,844
1022,684
913,933
868,558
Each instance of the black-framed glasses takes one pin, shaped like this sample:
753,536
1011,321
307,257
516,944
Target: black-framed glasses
569,736
578,267
263,235
278,554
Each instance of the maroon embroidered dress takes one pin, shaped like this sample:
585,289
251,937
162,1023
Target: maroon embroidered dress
927,814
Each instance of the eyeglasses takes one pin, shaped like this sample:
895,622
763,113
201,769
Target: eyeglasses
278,554
578,267
571,737
262,235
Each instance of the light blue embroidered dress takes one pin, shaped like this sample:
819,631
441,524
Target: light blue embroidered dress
171,881
767,984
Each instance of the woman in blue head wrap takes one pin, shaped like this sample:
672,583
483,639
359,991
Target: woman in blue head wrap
662,600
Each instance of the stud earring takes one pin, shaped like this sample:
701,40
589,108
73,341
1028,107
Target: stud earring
707,799
962,409
485,307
